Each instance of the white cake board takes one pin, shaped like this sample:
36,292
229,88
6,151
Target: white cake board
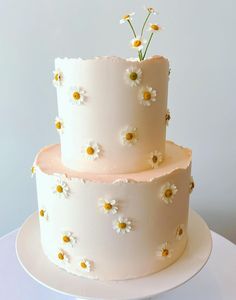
35,263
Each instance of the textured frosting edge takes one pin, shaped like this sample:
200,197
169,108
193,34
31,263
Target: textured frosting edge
128,177
110,58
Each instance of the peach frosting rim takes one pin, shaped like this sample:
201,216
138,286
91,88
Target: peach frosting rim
170,165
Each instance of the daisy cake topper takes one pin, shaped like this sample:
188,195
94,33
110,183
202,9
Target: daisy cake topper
138,42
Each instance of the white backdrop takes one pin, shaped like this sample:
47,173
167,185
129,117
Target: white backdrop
199,40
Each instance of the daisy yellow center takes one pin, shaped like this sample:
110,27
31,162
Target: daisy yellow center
133,76
192,185
57,77
58,125
122,225
155,159
168,193
76,95
90,151
59,189
165,252
167,117
66,239
155,27
180,231
41,213
129,136
126,17
107,206
137,43
61,256
33,170
83,265
147,96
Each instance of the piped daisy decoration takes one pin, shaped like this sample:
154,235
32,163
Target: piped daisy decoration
129,136
168,191
91,150
147,95
133,76
164,251
77,95
59,125
108,206
122,225
138,43
179,232
191,185
85,265
127,18
62,256
68,239
167,117
43,214
57,78
61,189
154,27
155,159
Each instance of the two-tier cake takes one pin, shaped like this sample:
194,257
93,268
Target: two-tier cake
113,197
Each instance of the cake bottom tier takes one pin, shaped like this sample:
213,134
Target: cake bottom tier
113,227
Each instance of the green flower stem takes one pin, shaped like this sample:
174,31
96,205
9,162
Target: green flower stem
132,28
148,44
140,54
148,16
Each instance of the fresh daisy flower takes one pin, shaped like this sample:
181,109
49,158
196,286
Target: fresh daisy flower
61,189
57,78
33,170
77,95
122,225
68,239
179,232
108,206
164,251
43,214
150,10
155,159
91,150
167,117
191,185
85,265
133,76
62,256
147,95
138,43
59,125
126,18
168,192
129,136
154,27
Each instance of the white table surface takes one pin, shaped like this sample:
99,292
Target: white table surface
216,281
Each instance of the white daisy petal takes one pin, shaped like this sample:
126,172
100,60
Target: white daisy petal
133,76
138,43
164,251
147,95
155,159
129,136
91,151
57,78
122,225
168,191
77,95
85,265
59,124
61,189
68,239
127,18
108,206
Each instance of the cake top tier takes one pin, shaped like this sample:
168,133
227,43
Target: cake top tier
112,112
